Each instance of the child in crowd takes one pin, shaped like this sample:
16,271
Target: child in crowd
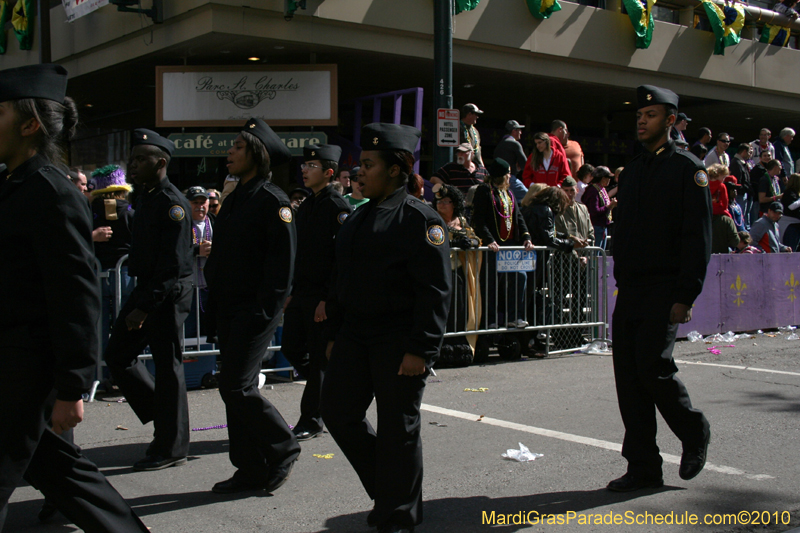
744,246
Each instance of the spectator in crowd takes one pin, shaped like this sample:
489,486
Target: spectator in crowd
469,133
583,178
202,237
613,187
344,178
756,173
783,154
297,197
79,179
545,164
761,144
213,202
161,259
786,8
338,187
509,147
681,123
356,198
703,137
733,207
462,173
769,186
249,274
700,151
228,187
791,208
741,171
113,224
716,187
51,306
497,219
745,246
599,204
304,319
718,154
416,186
765,232
572,150
574,220
724,236
393,285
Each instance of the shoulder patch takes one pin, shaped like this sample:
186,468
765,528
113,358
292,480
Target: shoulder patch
285,214
176,213
436,235
701,178
341,217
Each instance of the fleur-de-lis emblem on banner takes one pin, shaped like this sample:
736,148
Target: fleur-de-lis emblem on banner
739,287
792,283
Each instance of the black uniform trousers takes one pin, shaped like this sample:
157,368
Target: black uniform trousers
163,399
304,345
645,374
49,463
258,435
389,461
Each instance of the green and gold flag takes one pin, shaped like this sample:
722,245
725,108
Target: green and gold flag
727,23
542,9
465,5
640,12
5,13
22,20
777,35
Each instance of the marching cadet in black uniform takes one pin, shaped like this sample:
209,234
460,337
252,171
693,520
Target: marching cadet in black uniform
659,270
319,218
161,260
51,306
249,274
393,287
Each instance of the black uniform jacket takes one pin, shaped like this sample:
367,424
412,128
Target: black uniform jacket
252,259
110,251
50,292
394,278
161,251
662,224
319,218
485,219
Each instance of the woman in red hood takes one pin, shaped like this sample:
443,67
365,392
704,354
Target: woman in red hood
716,186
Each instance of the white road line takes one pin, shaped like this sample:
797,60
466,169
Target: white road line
613,446
739,367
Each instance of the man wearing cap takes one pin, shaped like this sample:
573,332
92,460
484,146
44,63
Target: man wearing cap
161,259
202,237
659,273
575,220
719,154
318,221
765,232
681,123
509,147
462,173
469,133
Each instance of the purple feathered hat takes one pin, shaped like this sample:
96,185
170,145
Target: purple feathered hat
110,178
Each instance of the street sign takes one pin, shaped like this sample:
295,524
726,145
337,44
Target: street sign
516,261
217,144
447,121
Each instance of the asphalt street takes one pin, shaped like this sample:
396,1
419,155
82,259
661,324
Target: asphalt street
563,407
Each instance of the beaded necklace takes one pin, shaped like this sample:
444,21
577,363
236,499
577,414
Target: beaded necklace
507,201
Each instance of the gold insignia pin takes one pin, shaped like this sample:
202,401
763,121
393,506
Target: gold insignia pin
375,141
649,96
252,125
144,137
313,153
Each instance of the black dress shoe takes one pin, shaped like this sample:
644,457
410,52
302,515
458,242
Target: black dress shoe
630,482
278,475
47,511
693,459
395,528
235,484
157,462
304,434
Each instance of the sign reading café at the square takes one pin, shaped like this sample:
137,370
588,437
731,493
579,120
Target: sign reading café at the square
282,95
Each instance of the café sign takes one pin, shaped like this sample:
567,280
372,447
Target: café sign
217,144
282,95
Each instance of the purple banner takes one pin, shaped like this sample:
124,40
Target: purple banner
741,293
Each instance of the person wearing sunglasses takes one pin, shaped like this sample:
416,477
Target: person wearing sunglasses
718,155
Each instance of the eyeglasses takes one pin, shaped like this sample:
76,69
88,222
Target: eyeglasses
305,166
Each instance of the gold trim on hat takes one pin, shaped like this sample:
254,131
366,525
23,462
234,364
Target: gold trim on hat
375,141
649,96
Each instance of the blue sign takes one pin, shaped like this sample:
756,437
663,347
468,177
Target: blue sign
516,261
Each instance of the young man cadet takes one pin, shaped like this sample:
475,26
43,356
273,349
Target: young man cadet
161,259
659,273
318,221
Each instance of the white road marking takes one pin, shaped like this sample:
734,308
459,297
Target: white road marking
613,446
739,367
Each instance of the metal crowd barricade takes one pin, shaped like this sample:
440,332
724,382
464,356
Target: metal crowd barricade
562,303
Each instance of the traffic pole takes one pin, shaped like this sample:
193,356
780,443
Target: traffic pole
443,73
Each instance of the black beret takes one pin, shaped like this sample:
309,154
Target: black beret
47,81
648,95
499,168
322,152
382,136
143,136
278,153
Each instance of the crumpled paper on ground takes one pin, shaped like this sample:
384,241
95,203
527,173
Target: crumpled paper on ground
523,455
